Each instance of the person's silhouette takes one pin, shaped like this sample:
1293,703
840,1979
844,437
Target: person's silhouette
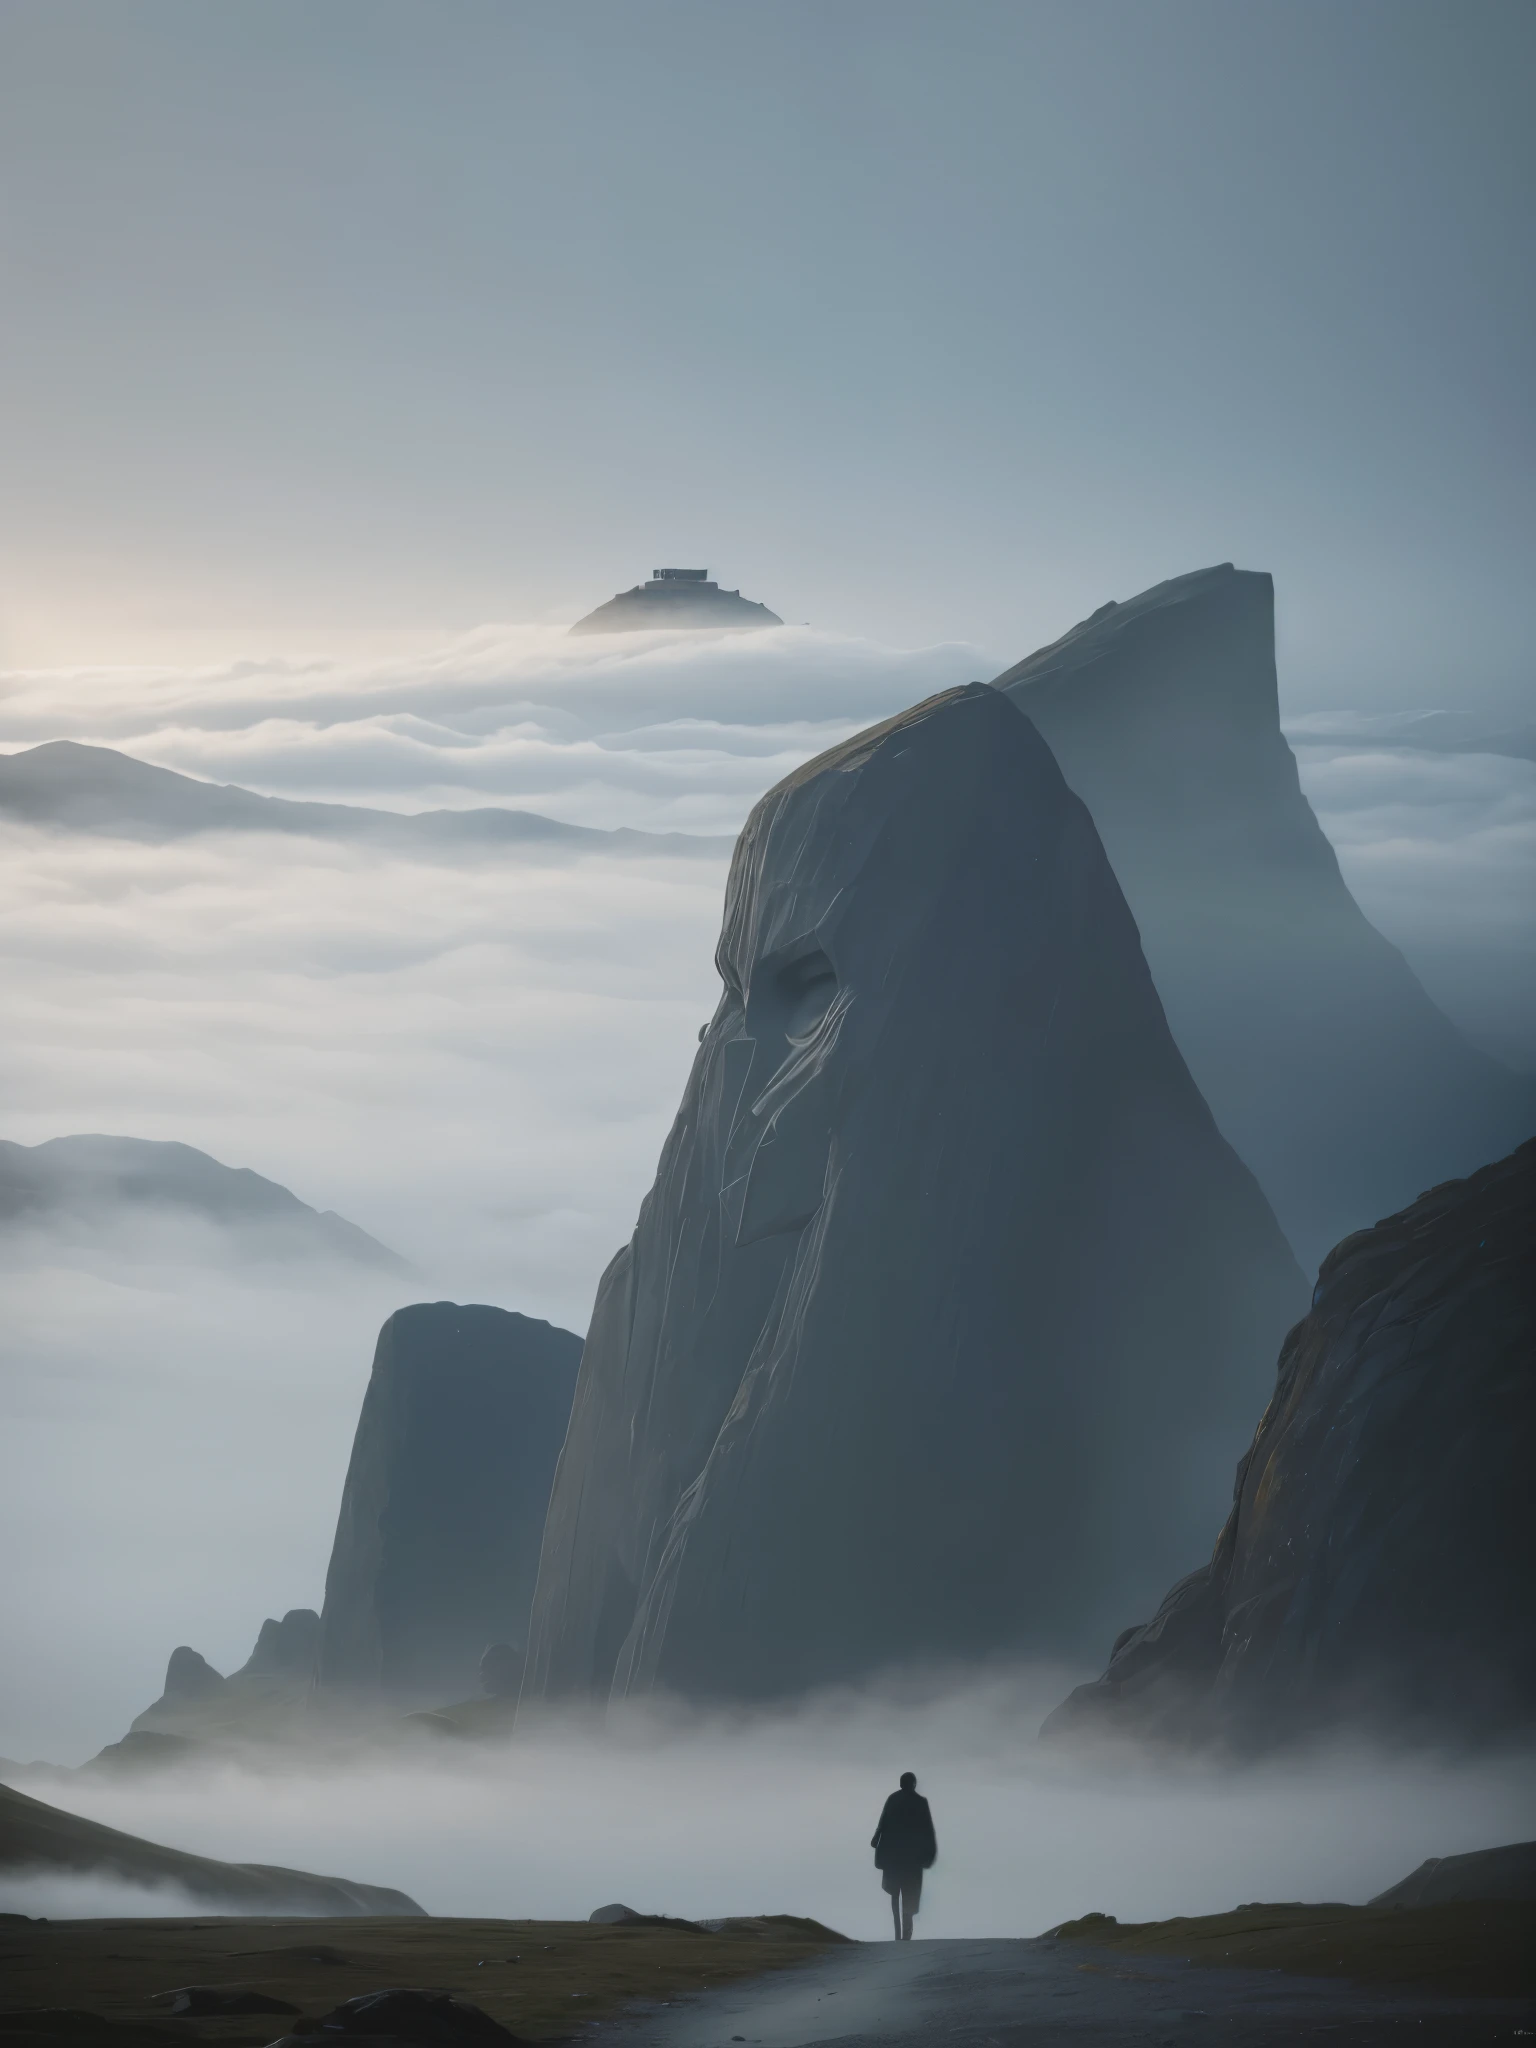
905,1846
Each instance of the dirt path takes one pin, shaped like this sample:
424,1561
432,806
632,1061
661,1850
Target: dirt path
1029,1994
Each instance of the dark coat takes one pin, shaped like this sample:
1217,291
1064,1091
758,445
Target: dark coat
905,1839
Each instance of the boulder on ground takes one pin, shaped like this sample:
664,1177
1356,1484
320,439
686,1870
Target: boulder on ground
209,2001
427,2019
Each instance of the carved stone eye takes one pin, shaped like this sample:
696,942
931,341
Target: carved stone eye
806,988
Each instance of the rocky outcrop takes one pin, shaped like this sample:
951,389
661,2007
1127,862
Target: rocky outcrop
437,1543
1376,1568
37,1840
266,1696
289,1648
1324,1061
938,1324
674,599
189,1677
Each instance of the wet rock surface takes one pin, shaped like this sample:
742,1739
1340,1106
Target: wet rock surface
1376,1564
939,1322
1323,1059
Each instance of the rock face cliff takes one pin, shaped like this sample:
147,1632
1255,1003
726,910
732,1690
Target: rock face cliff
437,1542
942,1313
1321,1056
1378,1563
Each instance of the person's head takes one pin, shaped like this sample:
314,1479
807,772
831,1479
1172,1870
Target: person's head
909,1781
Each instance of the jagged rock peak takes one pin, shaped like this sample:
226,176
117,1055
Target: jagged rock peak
857,1392
1323,1059
1375,1568
290,1646
189,1676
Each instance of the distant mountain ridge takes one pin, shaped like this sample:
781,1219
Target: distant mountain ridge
96,789
45,1841
87,1180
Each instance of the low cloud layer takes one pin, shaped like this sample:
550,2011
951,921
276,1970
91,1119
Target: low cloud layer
774,1814
474,1058
669,731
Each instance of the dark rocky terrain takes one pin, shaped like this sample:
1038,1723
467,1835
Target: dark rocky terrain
76,788
437,1543
1337,1079
937,1328
105,1983
81,1188
1377,1567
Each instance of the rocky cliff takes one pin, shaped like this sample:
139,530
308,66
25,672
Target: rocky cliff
938,1324
1323,1059
1377,1565
437,1542
265,1698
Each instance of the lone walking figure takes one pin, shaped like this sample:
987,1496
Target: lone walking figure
905,1846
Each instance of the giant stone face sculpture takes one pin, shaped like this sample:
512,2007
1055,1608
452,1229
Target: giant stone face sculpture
937,1331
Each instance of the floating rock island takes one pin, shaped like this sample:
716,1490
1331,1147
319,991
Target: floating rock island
676,598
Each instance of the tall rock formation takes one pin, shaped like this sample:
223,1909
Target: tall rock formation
1378,1565
940,1319
438,1538
1323,1059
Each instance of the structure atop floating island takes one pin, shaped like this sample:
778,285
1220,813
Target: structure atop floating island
676,598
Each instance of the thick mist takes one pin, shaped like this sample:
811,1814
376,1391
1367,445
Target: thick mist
707,1817
474,1059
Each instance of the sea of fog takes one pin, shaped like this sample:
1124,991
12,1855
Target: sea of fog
476,1060
702,1818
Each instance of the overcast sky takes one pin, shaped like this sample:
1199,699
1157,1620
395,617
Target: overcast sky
936,322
